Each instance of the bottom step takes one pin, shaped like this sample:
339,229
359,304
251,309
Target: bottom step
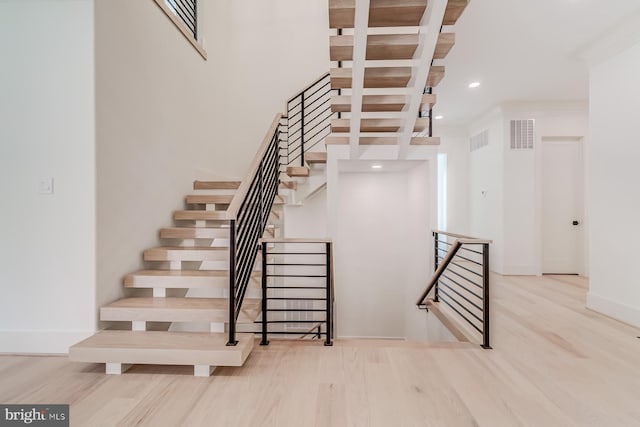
162,348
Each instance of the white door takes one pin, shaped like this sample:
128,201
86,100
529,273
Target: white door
562,207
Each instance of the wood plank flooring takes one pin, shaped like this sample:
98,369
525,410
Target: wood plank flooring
554,363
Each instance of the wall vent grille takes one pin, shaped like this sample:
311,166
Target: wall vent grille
522,134
292,316
480,140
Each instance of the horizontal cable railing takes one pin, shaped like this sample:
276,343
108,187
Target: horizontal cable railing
308,119
461,280
248,213
187,12
297,288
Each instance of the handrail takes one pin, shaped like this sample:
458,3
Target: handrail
441,268
315,82
238,198
462,236
247,216
458,283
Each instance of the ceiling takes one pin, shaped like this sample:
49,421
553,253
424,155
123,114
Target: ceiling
522,50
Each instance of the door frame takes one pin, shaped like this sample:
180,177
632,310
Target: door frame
583,263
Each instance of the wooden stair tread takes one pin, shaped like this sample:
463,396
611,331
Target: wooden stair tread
216,185
179,253
194,199
379,47
374,77
382,140
180,279
377,125
162,348
453,11
436,74
151,309
297,171
382,13
446,41
316,157
199,215
378,103
194,233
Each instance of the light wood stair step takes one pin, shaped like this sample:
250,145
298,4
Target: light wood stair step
382,140
377,103
216,185
199,215
382,13
446,41
205,310
453,11
301,171
374,77
181,279
436,74
202,199
377,125
288,185
195,233
388,46
162,348
168,253
379,47
316,157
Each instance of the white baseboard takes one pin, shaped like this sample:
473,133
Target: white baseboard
617,310
40,342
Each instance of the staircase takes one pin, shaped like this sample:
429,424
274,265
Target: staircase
387,89
198,279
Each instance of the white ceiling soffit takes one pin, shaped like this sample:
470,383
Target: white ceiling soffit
523,50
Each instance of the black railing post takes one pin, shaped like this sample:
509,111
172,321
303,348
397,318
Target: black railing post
329,314
436,297
485,294
264,341
232,283
302,129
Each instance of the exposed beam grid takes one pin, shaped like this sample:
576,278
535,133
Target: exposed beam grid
429,32
361,24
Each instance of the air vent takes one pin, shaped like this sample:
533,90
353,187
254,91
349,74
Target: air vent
522,134
298,313
480,140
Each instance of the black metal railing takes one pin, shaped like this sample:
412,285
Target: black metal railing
248,214
187,12
297,289
461,280
308,119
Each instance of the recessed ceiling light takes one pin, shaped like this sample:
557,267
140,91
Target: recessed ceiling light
473,85
376,166
438,117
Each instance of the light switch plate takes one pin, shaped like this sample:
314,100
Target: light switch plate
45,185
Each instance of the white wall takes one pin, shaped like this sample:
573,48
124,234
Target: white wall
166,117
523,179
47,242
486,175
613,155
509,211
454,142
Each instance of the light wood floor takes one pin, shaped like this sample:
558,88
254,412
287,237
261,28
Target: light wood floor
554,363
